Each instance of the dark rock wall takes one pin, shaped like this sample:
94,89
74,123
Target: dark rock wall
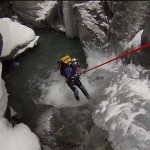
144,57
129,18
5,8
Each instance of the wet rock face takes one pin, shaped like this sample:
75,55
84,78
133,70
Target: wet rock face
145,38
129,18
5,9
71,126
97,140
109,8
64,128
140,39
36,14
112,6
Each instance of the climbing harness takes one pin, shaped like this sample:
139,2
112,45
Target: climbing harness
119,57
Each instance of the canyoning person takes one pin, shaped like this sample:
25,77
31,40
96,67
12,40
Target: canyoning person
70,69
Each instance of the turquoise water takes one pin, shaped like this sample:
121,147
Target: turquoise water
24,74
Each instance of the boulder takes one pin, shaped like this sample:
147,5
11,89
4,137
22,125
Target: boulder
16,38
36,14
92,22
18,138
129,18
141,38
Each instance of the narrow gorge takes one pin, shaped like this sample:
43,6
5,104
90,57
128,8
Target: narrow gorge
37,109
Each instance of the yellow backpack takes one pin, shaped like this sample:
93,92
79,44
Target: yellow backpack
66,60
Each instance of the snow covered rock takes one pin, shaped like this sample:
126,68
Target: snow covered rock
92,23
35,13
18,138
135,42
16,38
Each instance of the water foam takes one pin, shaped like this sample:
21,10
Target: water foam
57,93
123,96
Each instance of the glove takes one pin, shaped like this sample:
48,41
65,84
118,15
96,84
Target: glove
72,78
77,76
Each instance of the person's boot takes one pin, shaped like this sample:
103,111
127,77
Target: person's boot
85,92
76,94
77,98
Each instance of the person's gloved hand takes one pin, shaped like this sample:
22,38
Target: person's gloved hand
72,78
77,76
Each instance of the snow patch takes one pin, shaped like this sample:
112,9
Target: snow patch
45,8
30,45
135,42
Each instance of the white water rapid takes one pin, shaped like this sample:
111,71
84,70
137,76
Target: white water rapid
122,96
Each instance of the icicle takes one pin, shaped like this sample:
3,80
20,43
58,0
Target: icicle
69,20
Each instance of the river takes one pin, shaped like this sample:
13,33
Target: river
67,125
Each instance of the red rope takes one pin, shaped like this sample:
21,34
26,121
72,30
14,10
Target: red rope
119,57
